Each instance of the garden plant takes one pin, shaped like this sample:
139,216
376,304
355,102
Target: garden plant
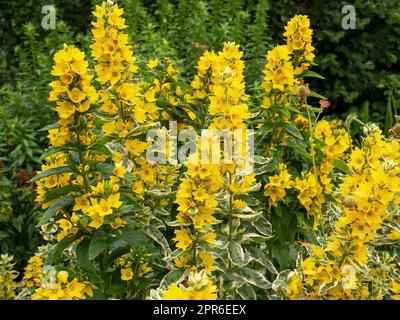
137,198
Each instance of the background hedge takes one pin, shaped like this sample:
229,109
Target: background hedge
361,66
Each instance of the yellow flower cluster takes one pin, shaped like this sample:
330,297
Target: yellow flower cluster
201,81
33,272
111,49
128,104
310,193
227,97
316,184
63,289
198,287
74,96
220,78
368,192
341,266
134,265
299,38
313,186
115,67
279,71
275,189
196,199
336,141
53,181
294,286
100,205
72,92
282,84
8,285
166,88
229,111
283,89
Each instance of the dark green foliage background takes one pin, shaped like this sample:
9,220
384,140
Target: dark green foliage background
361,66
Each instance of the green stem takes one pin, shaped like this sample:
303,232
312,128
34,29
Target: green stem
315,168
230,218
82,160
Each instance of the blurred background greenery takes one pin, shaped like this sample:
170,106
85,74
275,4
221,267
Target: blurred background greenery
361,68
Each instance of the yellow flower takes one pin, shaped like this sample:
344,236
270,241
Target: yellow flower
113,201
62,276
279,71
119,171
126,274
200,287
207,261
357,159
104,208
210,237
182,238
294,287
118,223
394,235
153,63
182,261
97,221
76,95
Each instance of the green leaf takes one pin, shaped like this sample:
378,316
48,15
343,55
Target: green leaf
59,248
311,74
117,252
295,145
129,208
290,128
98,244
3,235
82,258
394,105
323,289
259,255
248,217
365,111
134,238
50,126
316,95
280,225
284,111
285,225
280,281
58,192
246,292
341,165
254,278
174,276
236,253
144,128
50,172
253,237
389,116
56,206
263,226
281,253
276,158
51,151
101,149
158,237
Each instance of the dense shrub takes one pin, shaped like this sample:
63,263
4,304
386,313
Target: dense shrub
313,215
317,217
362,64
18,213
